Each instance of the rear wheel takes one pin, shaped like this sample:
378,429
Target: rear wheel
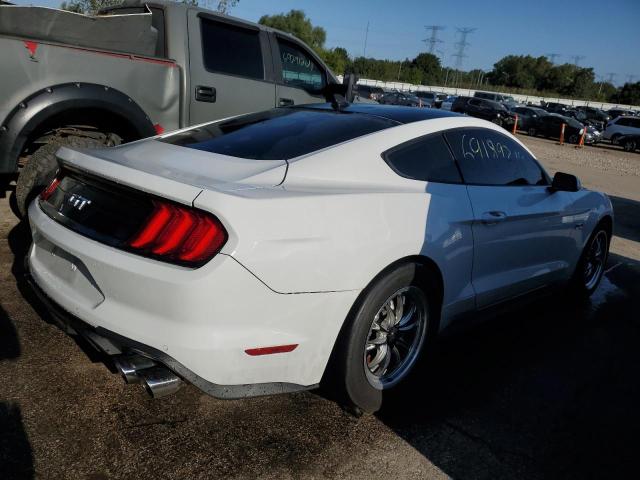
532,132
383,338
574,139
592,263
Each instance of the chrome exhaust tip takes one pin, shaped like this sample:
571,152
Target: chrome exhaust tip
159,381
129,365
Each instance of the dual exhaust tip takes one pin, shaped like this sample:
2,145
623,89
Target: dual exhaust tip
157,379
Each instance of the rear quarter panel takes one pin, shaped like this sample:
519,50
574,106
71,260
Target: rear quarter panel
152,83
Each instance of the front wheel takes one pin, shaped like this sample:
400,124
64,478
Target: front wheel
592,263
629,145
532,132
383,337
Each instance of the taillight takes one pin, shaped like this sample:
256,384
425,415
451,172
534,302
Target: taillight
47,192
179,234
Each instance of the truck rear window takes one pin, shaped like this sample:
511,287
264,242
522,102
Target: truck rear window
279,134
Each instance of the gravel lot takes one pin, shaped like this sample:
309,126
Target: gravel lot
549,392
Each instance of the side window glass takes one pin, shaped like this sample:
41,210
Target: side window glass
299,69
490,158
232,50
427,159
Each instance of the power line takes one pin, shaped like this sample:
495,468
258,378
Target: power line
552,57
433,39
631,77
577,59
462,44
611,76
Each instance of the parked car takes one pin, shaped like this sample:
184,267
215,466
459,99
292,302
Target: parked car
506,100
528,118
141,75
263,253
550,126
618,112
630,143
447,103
459,103
431,99
369,91
489,110
595,116
620,126
554,107
400,98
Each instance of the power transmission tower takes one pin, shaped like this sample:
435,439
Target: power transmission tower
552,57
611,77
577,59
630,77
433,39
462,45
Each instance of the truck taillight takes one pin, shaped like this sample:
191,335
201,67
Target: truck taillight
179,234
47,192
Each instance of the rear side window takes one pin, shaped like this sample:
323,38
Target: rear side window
232,50
427,159
279,134
299,69
486,157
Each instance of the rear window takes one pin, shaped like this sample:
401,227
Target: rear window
279,134
232,50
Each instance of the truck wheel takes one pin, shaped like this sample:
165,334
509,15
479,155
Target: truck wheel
42,165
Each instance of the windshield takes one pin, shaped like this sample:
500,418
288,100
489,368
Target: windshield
279,134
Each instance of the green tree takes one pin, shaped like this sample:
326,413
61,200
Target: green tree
429,67
629,94
337,59
296,23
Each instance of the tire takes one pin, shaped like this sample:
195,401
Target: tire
629,145
532,132
574,139
355,369
42,167
585,281
497,121
614,138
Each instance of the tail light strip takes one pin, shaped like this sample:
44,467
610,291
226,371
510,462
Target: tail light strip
174,232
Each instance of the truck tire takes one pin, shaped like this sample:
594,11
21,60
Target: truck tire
42,166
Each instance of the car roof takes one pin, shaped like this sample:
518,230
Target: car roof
396,113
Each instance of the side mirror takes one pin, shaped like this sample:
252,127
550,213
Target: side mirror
565,182
349,81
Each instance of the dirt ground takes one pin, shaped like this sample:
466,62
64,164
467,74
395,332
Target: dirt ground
548,392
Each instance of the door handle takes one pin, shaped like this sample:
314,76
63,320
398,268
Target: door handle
205,94
285,102
493,217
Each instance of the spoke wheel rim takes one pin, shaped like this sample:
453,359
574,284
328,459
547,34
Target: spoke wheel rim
395,337
595,260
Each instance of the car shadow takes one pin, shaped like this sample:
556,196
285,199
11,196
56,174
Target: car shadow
546,392
16,456
627,218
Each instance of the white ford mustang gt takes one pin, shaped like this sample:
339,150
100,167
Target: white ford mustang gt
263,253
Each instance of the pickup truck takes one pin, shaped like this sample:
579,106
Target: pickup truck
134,71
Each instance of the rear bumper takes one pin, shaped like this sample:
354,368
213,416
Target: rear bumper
199,323
112,344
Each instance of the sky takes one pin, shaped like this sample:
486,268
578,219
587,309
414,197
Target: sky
605,32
